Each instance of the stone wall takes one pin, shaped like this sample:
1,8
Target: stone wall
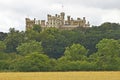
58,21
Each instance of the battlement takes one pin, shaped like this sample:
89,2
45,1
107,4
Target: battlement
58,21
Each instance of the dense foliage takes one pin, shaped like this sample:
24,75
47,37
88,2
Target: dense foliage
83,49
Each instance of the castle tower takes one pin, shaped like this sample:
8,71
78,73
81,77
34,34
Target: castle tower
68,19
48,17
29,23
43,23
79,22
62,14
72,21
88,24
58,21
84,21
49,23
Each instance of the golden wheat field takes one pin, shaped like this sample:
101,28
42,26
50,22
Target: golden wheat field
60,76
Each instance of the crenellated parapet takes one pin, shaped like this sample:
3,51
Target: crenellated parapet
29,23
55,21
58,21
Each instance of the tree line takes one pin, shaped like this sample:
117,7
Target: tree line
96,48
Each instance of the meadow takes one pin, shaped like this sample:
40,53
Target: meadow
60,75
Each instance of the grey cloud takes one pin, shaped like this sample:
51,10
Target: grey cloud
104,4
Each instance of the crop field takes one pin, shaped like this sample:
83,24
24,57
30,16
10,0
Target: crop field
60,76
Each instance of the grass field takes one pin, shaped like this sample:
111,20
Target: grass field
60,76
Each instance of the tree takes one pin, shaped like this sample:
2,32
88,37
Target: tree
108,47
4,65
109,26
6,61
30,47
75,52
32,62
32,35
2,36
108,54
13,39
2,46
53,42
37,28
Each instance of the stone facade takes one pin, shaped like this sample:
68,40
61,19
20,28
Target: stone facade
58,21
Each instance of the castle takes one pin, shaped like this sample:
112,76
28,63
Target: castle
58,21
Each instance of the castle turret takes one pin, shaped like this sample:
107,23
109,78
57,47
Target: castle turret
84,22
58,21
72,21
56,15
29,23
78,19
34,20
88,24
49,20
62,17
38,22
48,17
43,23
68,19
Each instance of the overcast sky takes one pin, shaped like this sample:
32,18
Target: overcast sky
14,12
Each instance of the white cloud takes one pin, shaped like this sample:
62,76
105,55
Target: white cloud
111,16
13,12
